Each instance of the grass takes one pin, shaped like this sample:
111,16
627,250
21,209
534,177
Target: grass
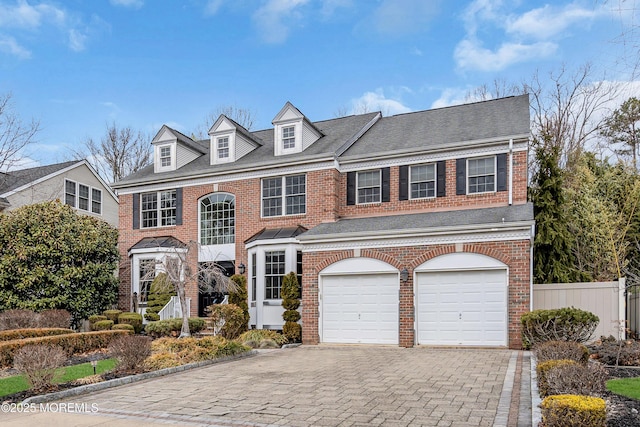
18,383
629,387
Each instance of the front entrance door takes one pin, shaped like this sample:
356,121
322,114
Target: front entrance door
207,298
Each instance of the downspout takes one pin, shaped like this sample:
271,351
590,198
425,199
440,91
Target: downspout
510,171
533,235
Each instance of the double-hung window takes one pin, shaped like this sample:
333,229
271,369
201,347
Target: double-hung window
223,147
146,275
158,209
274,271
285,191
165,156
288,137
369,186
481,175
83,197
422,181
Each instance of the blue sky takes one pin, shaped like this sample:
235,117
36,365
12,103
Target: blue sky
77,65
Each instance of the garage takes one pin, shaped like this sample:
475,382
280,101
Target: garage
462,307
359,308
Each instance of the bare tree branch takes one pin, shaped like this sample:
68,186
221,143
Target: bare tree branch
243,116
15,135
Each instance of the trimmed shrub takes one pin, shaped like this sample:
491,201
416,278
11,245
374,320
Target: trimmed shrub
102,325
189,350
18,334
172,327
160,293
228,320
112,314
290,302
543,368
130,351
17,319
55,318
133,319
123,327
75,343
567,410
586,380
255,337
561,324
38,362
557,350
96,318
241,298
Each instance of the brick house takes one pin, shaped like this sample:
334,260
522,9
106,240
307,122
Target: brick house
406,230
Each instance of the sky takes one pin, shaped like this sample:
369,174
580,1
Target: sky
79,65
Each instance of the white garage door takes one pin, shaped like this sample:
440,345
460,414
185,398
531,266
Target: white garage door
360,308
462,308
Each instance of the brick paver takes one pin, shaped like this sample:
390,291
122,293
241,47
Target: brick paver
323,386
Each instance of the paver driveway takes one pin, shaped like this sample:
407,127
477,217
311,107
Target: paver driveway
324,385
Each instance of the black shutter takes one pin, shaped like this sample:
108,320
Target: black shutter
386,178
351,188
403,187
441,178
502,171
178,206
461,176
136,211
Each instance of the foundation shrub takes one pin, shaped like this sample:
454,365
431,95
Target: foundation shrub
160,293
75,343
558,350
543,368
172,327
240,297
112,315
130,351
133,319
586,380
18,334
123,327
567,410
102,325
96,318
290,302
561,324
228,320
38,362
255,337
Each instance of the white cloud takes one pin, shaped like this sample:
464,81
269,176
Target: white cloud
470,54
275,18
329,7
212,7
12,47
549,21
77,40
23,15
377,101
451,96
137,4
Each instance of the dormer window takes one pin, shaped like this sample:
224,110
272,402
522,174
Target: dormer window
223,148
165,156
289,137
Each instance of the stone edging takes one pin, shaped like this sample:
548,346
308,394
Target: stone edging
130,379
536,415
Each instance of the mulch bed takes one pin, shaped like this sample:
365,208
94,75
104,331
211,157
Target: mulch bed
622,411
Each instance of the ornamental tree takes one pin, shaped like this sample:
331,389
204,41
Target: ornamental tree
53,258
290,302
240,298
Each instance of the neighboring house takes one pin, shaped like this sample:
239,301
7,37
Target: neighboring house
74,183
409,229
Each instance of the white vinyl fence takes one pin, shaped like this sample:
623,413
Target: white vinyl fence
604,299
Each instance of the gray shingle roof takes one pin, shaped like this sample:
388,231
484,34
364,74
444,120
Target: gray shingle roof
276,233
16,179
422,221
440,127
158,242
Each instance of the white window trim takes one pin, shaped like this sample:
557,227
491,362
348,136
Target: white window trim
76,206
283,196
357,186
200,219
279,141
295,140
228,148
158,159
158,210
435,181
495,174
157,254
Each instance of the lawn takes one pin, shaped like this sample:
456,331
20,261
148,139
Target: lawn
629,387
18,383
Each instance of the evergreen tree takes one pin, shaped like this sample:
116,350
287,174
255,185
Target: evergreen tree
290,302
240,297
160,293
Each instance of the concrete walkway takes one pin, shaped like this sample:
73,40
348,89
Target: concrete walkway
316,386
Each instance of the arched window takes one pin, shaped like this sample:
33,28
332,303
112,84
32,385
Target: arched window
217,219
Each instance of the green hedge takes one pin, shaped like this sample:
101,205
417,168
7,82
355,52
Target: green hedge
112,314
102,325
133,319
560,324
74,343
123,327
172,327
18,334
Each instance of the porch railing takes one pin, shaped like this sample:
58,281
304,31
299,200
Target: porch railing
172,309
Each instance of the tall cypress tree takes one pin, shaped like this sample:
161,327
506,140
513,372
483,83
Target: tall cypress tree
552,256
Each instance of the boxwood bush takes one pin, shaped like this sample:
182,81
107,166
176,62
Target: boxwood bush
112,314
560,324
172,327
133,319
123,327
568,410
102,325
